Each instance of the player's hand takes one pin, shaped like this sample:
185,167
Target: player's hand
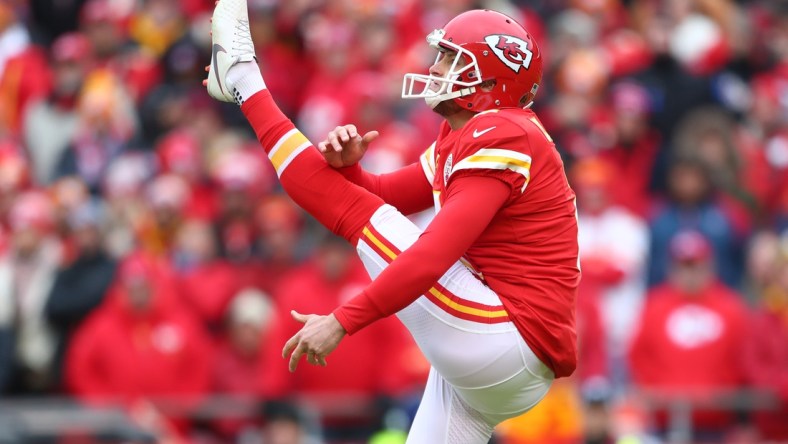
344,146
319,336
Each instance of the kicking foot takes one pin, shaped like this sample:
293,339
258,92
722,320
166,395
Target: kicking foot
231,45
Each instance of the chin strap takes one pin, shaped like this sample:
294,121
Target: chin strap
434,101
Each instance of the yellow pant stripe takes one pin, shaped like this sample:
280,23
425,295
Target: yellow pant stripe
434,291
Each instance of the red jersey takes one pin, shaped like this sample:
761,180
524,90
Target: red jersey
528,254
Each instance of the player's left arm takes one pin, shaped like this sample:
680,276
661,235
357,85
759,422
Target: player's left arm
472,203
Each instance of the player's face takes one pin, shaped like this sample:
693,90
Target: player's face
443,65
439,69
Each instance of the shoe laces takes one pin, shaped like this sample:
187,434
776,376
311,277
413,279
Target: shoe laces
243,39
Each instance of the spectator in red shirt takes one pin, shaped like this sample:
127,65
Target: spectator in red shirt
180,153
206,282
240,359
766,352
139,344
242,180
280,228
690,340
243,367
634,148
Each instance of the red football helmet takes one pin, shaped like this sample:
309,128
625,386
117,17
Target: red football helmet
494,47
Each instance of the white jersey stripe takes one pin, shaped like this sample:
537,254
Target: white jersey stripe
427,160
498,152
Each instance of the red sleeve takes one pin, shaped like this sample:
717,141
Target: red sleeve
406,189
470,206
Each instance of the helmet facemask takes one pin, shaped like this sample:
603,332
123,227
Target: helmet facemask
449,86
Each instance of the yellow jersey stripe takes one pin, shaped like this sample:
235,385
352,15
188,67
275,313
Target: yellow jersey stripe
286,148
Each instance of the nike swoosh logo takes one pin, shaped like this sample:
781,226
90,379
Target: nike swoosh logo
477,133
214,51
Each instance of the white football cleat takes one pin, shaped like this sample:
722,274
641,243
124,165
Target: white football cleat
231,44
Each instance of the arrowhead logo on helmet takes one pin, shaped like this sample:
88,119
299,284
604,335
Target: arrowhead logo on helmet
511,50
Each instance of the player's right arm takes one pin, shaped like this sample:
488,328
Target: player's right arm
408,189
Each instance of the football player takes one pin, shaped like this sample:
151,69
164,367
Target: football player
488,289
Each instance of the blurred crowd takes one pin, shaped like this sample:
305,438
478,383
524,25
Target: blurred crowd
146,251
